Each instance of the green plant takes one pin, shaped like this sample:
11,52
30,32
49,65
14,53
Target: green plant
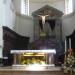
69,62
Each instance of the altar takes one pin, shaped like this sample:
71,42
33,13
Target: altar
44,57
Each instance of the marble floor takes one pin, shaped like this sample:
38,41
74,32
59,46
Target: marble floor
23,71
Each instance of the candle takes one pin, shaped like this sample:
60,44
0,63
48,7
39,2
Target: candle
69,43
65,45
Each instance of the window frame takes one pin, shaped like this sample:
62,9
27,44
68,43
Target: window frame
68,6
25,7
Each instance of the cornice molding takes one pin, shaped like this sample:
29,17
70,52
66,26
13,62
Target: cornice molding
68,15
23,16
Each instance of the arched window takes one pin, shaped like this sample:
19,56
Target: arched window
68,6
25,7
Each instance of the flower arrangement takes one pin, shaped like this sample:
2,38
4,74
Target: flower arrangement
69,61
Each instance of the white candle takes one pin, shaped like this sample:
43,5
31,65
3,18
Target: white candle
69,43
65,45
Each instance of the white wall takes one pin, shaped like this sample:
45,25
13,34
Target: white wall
9,14
24,26
1,12
68,24
17,5
74,5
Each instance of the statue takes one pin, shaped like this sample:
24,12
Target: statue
43,17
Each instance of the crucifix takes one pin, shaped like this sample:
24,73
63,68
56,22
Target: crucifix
43,17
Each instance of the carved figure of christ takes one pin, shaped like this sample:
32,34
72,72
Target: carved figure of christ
43,17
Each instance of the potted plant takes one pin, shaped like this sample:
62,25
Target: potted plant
69,62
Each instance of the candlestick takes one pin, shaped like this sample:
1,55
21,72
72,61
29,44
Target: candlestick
65,45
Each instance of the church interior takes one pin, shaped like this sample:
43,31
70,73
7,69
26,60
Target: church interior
37,37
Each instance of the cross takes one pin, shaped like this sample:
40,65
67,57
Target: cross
43,18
